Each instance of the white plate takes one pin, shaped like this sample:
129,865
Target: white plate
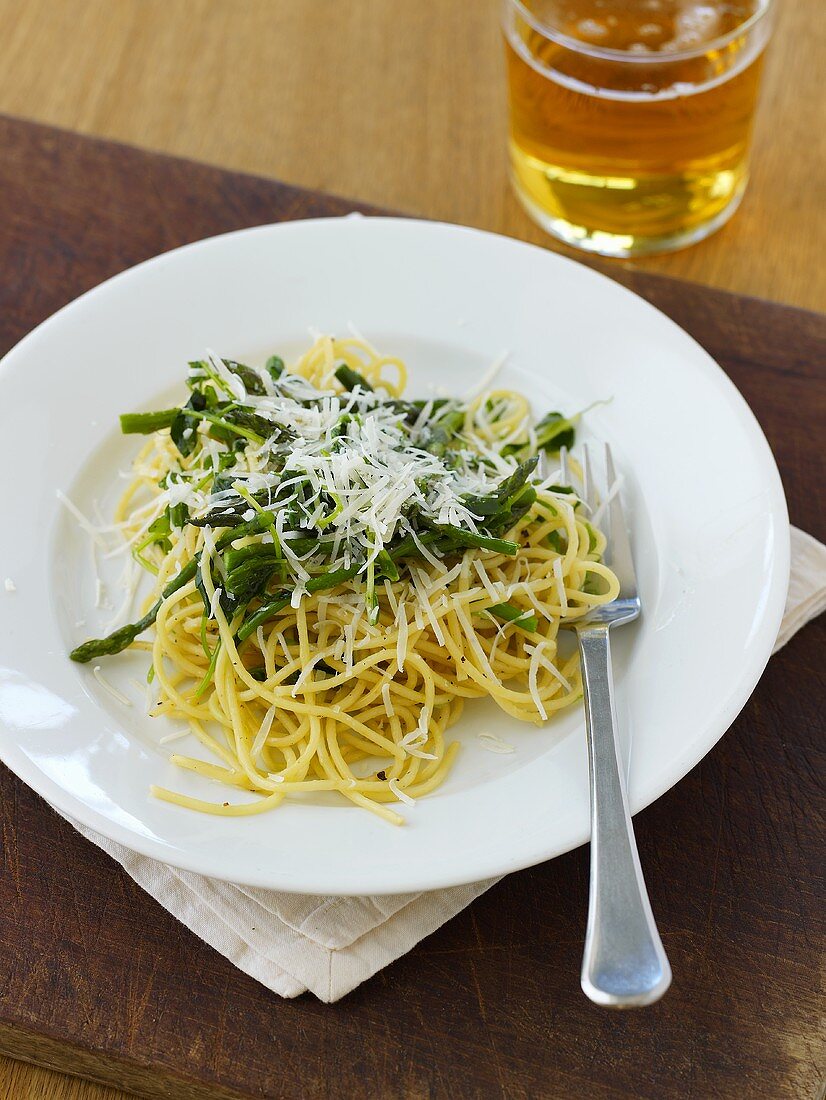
710,534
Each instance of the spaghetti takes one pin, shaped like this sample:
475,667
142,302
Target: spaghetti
337,570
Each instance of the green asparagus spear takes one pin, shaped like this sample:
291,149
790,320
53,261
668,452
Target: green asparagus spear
146,423
525,620
350,378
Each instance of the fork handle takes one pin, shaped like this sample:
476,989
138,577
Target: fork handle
624,964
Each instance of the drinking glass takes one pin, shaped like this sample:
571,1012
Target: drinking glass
631,120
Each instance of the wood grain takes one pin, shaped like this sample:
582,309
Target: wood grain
401,104
23,1081
98,980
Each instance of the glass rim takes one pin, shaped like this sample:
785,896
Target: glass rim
607,54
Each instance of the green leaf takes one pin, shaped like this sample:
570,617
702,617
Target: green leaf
252,380
275,365
184,427
178,515
555,431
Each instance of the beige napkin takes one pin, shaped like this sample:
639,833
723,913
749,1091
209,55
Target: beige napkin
328,945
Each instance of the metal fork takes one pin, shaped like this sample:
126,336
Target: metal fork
623,964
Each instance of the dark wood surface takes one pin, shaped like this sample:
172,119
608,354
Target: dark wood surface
96,979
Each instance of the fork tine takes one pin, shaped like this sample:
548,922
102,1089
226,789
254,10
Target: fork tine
589,489
620,558
563,466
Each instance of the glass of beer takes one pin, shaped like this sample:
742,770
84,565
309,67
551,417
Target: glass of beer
631,120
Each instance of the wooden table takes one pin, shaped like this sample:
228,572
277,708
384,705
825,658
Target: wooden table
97,979
401,104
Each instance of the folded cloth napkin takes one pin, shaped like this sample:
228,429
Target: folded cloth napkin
328,945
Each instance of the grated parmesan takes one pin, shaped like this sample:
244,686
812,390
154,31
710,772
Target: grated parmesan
495,596
612,492
419,579
282,641
533,681
113,691
388,702
548,665
402,636
560,584
412,742
128,581
391,598
263,732
176,735
444,580
488,377
91,530
400,794
495,744
214,601
474,643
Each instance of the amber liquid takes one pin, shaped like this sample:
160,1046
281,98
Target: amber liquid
624,157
